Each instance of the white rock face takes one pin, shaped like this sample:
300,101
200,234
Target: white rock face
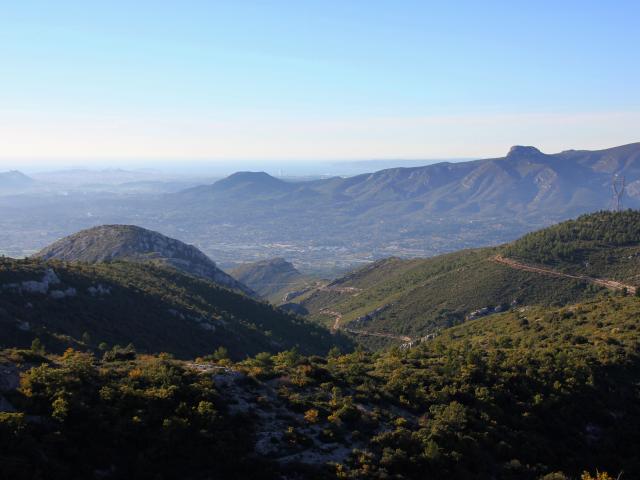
60,294
50,277
35,286
135,244
99,290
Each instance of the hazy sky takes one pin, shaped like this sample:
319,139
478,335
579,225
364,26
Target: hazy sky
93,80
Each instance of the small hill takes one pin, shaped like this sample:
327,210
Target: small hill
240,186
158,309
417,297
271,279
257,182
135,244
14,179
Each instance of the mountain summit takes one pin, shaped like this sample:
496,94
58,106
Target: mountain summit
14,179
131,243
254,178
520,151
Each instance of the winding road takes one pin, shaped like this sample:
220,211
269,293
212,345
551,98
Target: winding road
603,282
336,326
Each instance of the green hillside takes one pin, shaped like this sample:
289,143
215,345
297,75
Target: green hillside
158,309
603,244
533,394
417,297
272,279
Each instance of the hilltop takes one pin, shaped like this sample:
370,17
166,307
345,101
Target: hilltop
14,180
158,309
108,243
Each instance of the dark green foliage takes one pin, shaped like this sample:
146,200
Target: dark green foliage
525,394
537,392
156,309
516,396
272,279
415,297
603,244
149,419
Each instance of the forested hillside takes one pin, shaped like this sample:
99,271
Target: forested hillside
417,297
604,244
272,279
157,309
533,394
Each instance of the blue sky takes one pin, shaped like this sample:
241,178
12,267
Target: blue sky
98,81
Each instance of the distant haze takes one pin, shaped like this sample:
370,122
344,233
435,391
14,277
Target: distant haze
84,84
220,167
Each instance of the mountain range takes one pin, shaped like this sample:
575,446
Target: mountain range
407,212
524,182
329,225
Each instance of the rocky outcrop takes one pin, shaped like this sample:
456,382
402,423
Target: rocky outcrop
34,286
131,243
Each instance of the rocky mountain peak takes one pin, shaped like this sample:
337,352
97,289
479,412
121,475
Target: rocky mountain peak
521,151
136,244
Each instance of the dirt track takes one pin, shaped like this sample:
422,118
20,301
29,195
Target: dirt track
376,334
603,282
334,314
336,326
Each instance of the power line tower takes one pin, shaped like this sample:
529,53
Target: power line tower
617,185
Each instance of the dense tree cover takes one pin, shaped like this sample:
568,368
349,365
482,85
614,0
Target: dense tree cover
517,396
535,393
148,418
157,309
603,244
